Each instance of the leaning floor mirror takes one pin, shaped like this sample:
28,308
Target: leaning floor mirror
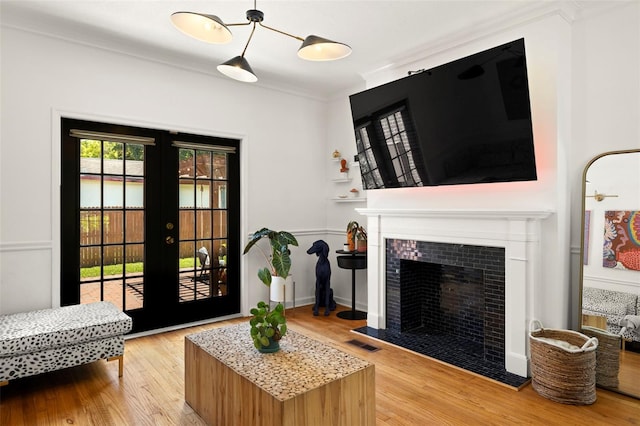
610,267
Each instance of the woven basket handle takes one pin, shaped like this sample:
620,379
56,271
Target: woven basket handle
535,323
591,342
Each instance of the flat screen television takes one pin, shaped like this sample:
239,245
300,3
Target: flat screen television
464,122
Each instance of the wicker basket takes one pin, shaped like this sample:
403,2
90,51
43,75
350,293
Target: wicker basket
565,375
607,356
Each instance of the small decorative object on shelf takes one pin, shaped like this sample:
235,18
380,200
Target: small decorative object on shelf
336,154
354,192
343,166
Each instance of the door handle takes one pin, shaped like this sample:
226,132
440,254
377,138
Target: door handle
169,240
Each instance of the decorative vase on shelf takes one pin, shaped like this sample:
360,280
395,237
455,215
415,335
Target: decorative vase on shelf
351,241
352,229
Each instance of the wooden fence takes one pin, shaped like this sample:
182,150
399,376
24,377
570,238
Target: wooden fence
117,250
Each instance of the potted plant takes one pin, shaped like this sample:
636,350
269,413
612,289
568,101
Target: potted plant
279,263
268,324
356,236
267,327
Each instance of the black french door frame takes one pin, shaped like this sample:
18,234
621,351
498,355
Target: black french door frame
161,306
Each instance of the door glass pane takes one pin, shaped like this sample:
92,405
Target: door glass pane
134,163
113,227
134,276
134,225
203,164
219,166
134,263
113,292
90,263
134,192
113,262
90,191
187,193
203,223
187,225
220,223
113,158
186,167
219,195
111,216
113,192
203,190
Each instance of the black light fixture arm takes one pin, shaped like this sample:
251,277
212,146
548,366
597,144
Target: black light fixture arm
281,32
248,41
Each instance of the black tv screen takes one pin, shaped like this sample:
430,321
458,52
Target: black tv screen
464,122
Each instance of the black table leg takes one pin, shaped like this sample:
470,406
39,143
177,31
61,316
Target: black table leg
353,314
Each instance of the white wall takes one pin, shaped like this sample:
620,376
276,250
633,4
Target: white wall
585,92
44,78
595,109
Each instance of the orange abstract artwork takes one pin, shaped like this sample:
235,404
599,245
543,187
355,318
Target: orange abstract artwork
621,239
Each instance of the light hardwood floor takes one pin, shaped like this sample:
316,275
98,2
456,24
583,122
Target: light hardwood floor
410,389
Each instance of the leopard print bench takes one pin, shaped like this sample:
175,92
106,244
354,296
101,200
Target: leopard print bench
52,339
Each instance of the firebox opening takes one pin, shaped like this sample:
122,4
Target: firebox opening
443,301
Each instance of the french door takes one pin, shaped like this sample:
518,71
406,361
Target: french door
150,222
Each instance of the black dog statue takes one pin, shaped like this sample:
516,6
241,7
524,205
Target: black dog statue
324,293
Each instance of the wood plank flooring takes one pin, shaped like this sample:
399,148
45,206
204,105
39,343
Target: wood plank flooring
410,389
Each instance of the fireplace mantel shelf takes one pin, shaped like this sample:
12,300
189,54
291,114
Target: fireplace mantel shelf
460,213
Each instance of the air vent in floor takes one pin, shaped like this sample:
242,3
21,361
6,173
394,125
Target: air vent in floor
363,345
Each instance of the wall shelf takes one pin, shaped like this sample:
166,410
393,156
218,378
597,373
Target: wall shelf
350,200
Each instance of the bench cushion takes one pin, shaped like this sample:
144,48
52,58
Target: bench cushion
23,365
58,327
608,301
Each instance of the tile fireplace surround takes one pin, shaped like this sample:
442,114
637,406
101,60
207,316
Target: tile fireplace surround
517,232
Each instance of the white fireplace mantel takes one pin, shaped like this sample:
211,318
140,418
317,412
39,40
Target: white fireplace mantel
517,231
462,213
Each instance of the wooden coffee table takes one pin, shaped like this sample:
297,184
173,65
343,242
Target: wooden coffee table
228,382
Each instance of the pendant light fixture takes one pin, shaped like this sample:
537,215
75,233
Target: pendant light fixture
211,29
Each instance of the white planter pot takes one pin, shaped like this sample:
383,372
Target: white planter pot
276,289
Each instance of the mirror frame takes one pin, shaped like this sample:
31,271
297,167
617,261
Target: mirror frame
582,223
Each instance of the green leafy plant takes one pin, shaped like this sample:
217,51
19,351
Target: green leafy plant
267,324
279,261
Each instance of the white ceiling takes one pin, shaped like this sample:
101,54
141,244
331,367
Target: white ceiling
380,32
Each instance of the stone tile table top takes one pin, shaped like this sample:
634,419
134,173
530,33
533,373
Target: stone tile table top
301,364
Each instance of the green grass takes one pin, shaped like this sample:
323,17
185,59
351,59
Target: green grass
131,268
